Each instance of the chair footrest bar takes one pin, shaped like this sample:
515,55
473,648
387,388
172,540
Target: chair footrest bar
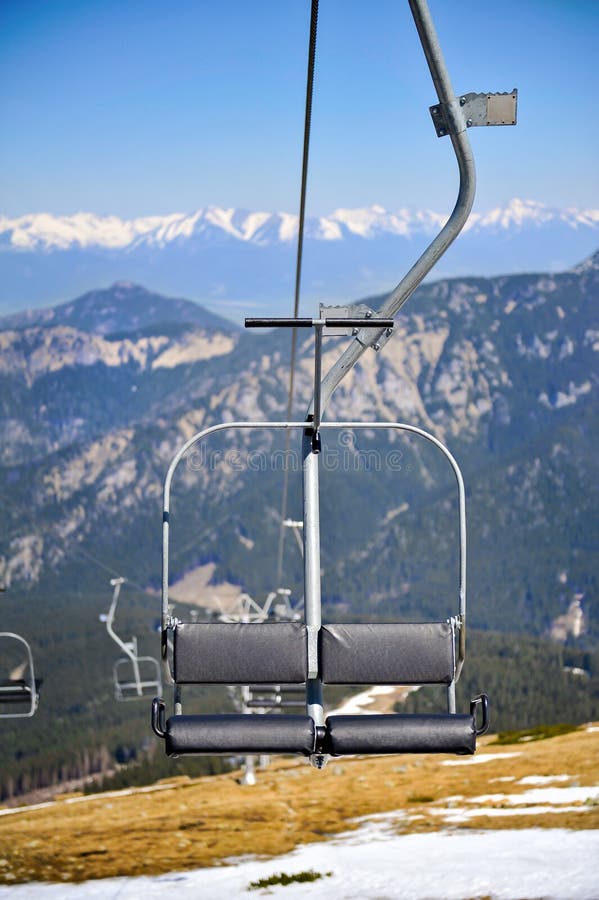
401,734
217,735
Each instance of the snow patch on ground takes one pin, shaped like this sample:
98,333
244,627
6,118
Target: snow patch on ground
542,795
357,704
479,758
544,779
375,863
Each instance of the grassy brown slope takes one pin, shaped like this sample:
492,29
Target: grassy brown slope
190,823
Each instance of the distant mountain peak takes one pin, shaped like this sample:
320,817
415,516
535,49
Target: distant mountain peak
86,230
122,307
240,262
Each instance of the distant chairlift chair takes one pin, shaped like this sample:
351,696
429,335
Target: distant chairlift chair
135,677
19,693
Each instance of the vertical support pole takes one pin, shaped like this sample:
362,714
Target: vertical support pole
312,570
249,771
451,708
164,616
318,326
136,672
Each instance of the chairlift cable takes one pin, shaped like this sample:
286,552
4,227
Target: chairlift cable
81,552
298,268
72,550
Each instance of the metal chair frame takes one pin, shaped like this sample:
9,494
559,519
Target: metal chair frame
25,690
138,687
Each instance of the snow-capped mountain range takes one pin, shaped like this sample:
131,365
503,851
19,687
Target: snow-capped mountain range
237,261
86,230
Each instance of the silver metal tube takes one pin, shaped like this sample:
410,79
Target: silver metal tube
312,605
136,673
451,707
317,373
449,232
128,648
432,51
193,440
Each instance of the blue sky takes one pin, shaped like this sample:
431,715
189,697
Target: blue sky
136,108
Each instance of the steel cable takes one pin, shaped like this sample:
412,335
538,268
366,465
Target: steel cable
298,271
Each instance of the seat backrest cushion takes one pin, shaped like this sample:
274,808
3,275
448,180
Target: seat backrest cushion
240,653
411,653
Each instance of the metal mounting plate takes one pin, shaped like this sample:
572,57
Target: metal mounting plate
351,311
476,109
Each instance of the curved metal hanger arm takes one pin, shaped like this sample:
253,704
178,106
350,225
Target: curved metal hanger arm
453,226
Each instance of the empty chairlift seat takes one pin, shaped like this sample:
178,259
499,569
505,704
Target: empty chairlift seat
265,655
237,653
394,654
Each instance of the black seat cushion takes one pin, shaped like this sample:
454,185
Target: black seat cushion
214,735
401,734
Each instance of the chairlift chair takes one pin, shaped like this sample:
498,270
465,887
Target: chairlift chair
307,655
19,693
134,677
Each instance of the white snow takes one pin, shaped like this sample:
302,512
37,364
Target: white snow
555,795
479,758
357,704
544,779
541,801
375,863
459,816
85,229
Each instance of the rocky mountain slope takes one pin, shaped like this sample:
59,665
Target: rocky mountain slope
98,394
